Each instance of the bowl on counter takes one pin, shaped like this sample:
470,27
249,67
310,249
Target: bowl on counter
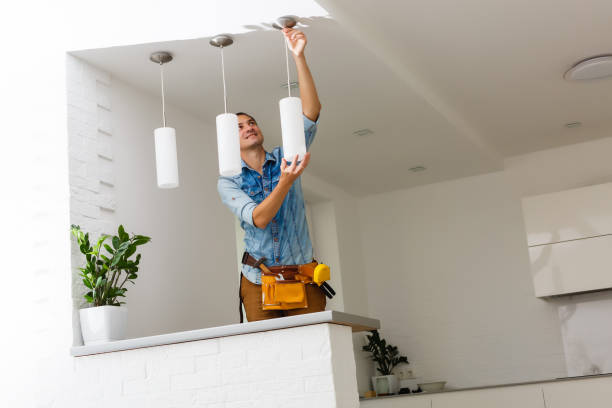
436,386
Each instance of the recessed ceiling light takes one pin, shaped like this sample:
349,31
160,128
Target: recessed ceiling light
590,68
363,132
416,169
573,124
293,85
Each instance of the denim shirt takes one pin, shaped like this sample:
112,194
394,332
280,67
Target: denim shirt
285,240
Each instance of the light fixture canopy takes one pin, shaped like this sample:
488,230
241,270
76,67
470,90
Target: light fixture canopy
590,68
285,22
221,40
161,57
166,162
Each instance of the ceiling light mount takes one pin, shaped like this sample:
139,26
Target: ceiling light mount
221,40
599,66
292,84
363,132
285,22
161,57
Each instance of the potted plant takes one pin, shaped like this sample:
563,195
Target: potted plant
107,269
386,358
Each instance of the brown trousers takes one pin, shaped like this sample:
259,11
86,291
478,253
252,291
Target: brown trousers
251,299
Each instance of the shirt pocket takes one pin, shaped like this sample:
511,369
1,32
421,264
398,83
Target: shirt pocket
256,193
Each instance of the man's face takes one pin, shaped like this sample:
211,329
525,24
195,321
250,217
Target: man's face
250,135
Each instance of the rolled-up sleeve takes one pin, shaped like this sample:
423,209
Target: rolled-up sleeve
310,129
237,200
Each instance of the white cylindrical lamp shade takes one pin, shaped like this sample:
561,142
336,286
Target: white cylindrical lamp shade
292,127
228,145
165,157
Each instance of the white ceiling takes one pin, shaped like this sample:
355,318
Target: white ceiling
453,86
498,63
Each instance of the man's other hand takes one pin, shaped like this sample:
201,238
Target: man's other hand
289,173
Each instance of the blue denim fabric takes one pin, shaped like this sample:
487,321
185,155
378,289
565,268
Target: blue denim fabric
285,240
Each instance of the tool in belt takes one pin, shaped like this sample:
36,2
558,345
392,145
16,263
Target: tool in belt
283,287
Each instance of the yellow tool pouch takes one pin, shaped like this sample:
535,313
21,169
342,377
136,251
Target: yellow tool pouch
282,294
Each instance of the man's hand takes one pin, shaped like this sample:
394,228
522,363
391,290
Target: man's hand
267,209
289,173
296,41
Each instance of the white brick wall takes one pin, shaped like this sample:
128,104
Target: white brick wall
310,366
90,130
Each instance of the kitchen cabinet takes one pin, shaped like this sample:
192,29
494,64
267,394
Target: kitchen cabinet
567,215
588,393
591,392
569,235
524,396
412,401
572,266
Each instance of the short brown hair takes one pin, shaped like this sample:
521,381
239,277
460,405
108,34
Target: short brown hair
246,114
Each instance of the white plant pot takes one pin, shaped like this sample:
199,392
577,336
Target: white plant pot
102,324
385,384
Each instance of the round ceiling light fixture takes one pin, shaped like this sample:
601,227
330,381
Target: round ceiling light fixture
590,68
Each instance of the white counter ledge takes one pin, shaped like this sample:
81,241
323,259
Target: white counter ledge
298,361
357,323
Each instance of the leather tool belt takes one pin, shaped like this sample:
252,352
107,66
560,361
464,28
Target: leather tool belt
283,287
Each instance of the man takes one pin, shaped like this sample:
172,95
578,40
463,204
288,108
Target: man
267,198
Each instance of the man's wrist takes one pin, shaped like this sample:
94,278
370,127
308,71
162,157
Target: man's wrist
299,58
283,183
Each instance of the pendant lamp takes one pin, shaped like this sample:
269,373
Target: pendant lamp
292,123
228,136
165,137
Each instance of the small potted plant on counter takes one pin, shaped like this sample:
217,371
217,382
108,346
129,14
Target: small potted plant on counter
386,357
105,275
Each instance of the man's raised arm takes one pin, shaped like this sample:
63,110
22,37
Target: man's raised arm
311,105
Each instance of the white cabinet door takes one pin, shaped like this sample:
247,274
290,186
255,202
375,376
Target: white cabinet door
566,215
524,396
405,401
590,393
573,266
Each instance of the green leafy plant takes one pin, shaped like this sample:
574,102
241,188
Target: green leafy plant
385,355
105,274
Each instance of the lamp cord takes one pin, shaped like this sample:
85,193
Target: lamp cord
161,66
223,73
286,46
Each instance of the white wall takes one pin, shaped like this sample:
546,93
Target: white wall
447,271
448,274
188,277
337,241
584,319
91,165
325,247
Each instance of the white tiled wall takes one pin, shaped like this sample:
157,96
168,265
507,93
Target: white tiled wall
90,132
310,366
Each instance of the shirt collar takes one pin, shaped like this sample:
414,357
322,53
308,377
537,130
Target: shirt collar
269,157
